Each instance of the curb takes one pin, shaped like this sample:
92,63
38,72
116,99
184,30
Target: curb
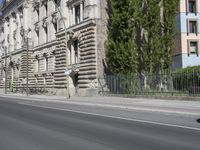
144,109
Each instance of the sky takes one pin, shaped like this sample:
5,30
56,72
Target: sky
0,4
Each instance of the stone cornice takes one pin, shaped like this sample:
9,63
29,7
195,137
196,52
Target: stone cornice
10,6
14,52
46,45
73,2
77,27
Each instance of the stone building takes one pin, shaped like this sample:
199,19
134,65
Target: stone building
54,44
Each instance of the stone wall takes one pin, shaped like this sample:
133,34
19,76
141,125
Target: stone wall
49,58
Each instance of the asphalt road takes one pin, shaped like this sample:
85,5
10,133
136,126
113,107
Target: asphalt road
26,127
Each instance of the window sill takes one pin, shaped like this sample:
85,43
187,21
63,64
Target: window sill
43,73
193,34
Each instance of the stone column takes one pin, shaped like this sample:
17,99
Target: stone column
18,36
73,15
11,38
27,16
67,17
70,17
72,54
81,12
6,31
69,55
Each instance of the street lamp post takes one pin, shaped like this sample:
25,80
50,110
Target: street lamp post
66,41
5,70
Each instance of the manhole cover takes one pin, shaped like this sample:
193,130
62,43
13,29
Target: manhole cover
198,120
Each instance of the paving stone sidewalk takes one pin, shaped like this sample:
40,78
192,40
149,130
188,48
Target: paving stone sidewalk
140,104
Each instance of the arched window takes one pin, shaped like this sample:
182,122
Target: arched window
17,72
46,62
76,52
36,65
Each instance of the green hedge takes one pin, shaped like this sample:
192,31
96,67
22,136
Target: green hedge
184,79
189,70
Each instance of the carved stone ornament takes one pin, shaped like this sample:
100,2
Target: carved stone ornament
36,7
22,31
44,2
13,14
54,18
37,27
36,4
27,4
45,23
2,29
14,34
8,38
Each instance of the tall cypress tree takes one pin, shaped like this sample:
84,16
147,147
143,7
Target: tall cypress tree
141,35
121,54
170,8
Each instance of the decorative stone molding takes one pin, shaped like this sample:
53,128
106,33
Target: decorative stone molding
75,68
27,3
77,35
18,62
8,38
20,11
54,19
36,5
53,53
45,55
7,19
37,27
71,2
2,29
14,34
45,23
22,31
43,2
13,14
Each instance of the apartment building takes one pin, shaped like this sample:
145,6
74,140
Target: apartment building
53,45
187,48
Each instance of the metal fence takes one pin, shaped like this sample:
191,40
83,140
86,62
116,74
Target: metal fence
166,84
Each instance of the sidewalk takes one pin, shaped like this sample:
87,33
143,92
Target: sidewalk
139,104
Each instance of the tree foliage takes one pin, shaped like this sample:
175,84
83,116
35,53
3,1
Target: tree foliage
141,35
121,52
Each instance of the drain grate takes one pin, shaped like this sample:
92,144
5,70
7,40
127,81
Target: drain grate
198,120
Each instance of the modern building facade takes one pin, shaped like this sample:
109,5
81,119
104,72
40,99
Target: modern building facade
53,45
187,48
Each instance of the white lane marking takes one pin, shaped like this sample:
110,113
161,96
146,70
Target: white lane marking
113,117
136,108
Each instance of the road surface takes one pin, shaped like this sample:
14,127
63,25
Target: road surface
24,126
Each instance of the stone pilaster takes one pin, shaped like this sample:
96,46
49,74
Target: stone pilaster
73,15
18,35
11,38
6,31
81,11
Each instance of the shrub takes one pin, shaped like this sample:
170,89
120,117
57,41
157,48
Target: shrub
184,79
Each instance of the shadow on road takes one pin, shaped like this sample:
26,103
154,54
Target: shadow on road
198,120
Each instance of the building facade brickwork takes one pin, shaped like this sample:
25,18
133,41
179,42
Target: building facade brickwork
60,44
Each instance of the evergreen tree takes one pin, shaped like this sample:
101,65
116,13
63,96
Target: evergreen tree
121,54
141,35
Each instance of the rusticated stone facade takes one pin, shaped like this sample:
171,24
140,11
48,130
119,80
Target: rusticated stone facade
66,45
